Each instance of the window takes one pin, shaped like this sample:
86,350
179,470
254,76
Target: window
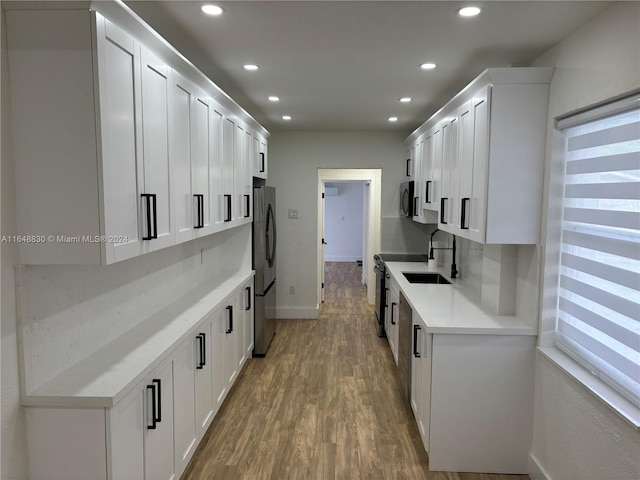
598,309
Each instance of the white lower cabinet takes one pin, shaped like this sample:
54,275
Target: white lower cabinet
248,320
123,442
471,396
193,394
421,378
152,431
393,302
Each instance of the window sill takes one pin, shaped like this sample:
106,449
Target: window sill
609,397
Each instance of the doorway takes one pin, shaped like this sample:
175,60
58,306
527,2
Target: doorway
371,182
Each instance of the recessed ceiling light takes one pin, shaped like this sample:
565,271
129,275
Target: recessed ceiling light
469,11
286,117
393,119
212,10
428,66
273,98
251,67
405,99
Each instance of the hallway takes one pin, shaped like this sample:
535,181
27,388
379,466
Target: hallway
324,404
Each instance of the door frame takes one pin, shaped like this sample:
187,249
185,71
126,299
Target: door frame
374,177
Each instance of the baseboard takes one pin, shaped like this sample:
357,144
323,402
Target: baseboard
297,312
536,472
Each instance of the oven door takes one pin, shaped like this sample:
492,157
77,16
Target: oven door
381,299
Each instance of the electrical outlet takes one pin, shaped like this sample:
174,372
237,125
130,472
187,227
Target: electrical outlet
293,213
292,290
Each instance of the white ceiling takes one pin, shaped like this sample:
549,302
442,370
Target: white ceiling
343,65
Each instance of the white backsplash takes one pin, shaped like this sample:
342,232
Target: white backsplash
68,312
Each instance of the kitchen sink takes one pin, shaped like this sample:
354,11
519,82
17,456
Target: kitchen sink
426,278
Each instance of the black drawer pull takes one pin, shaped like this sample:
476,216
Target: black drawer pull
393,304
199,197
427,193
248,307
443,207
201,362
408,167
464,204
230,310
416,353
262,160
247,206
151,216
153,407
228,200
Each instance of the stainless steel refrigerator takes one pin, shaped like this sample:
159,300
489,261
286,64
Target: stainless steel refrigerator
264,263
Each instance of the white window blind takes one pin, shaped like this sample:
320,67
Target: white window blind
598,320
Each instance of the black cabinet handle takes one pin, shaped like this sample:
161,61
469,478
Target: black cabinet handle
386,297
153,407
262,160
157,382
427,193
156,403
228,200
443,206
408,167
247,206
199,197
416,353
201,363
393,304
464,203
248,307
152,215
230,310
415,205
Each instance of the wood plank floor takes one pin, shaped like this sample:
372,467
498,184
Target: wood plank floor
325,403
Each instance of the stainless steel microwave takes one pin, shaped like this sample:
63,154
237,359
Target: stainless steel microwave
406,199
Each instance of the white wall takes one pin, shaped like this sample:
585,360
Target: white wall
576,437
344,222
13,459
294,159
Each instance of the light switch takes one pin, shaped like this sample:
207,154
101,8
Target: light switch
293,213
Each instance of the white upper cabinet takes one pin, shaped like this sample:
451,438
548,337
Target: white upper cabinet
182,95
157,223
200,165
119,143
486,169
259,158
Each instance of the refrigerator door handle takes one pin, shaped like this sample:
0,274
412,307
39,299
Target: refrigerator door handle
271,246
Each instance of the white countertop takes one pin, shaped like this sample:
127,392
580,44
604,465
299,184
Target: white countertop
445,309
105,377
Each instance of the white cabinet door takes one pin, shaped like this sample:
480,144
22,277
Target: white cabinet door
204,378
426,177
239,173
202,156
218,356
417,331
230,356
216,169
120,101
450,169
394,313
185,360
228,157
182,97
433,182
248,320
478,204
157,222
158,444
259,156
126,436
247,177
238,330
